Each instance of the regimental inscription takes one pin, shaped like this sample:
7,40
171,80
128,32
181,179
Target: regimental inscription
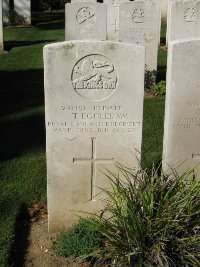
93,160
86,16
190,15
94,77
138,15
191,121
95,119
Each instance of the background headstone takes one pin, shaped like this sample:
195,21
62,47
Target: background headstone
113,18
94,107
158,12
23,8
164,9
1,26
181,145
5,11
183,19
85,21
138,23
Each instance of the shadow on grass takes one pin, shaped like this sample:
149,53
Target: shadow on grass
20,90
163,41
49,20
20,135
161,74
20,243
8,45
55,25
22,100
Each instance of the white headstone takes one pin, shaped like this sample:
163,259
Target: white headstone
138,23
113,18
158,12
1,26
181,146
23,8
164,9
85,21
5,11
183,19
94,107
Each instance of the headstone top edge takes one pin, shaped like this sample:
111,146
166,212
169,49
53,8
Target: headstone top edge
72,42
84,3
183,40
138,2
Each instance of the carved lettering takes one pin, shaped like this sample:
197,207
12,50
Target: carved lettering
94,77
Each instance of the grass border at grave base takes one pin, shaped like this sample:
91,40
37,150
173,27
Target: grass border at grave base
149,219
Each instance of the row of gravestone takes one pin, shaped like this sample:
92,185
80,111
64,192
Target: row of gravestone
183,21
94,94
136,22
22,13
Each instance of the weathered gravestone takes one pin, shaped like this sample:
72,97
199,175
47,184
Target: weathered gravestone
138,23
183,19
113,18
158,12
94,107
181,147
23,9
85,20
1,27
164,9
5,11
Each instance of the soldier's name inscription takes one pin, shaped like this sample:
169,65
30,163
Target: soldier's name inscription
95,118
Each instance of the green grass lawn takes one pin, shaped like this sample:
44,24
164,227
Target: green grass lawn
22,135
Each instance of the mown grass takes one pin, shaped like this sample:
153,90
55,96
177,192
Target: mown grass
22,135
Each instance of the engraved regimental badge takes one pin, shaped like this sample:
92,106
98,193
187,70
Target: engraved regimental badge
190,15
138,15
94,77
86,16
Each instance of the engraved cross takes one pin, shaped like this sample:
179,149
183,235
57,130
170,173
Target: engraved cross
196,156
116,26
93,160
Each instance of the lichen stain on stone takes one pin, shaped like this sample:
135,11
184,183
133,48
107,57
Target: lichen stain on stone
112,46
